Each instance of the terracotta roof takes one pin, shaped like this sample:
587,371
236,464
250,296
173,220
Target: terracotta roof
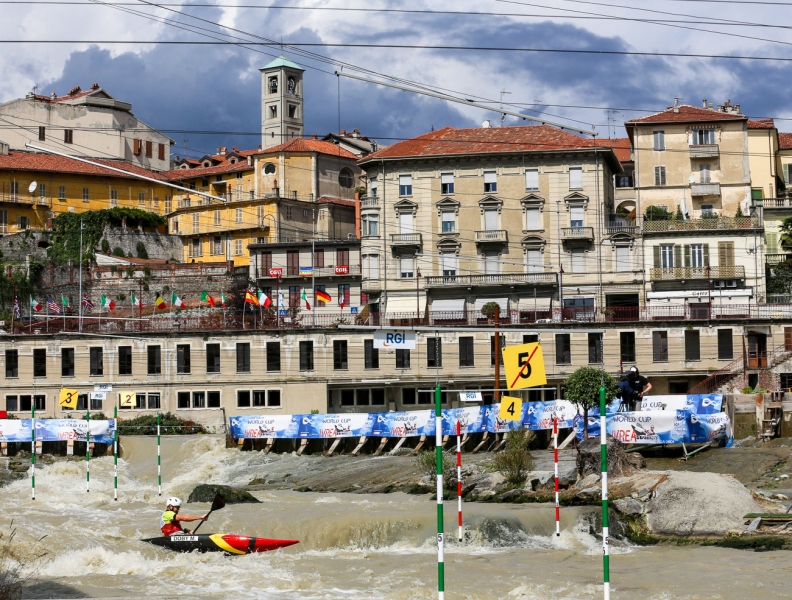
784,141
334,200
620,146
51,163
311,145
761,124
485,140
687,114
74,93
225,167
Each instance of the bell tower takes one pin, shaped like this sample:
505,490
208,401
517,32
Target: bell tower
281,102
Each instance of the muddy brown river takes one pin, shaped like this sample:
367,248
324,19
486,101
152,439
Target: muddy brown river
353,546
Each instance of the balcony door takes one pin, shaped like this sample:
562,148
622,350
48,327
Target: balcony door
406,222
491,220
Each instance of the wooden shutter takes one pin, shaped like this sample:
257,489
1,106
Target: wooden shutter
677,255
136,146
687,255
161,152
788,339
725,254
657,263
705,248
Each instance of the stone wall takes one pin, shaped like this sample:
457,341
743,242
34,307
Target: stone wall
161,246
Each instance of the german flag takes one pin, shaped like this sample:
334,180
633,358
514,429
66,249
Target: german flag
322,296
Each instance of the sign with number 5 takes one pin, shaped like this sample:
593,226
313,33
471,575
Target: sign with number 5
524,366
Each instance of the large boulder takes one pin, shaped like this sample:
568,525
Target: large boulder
206,493
620,463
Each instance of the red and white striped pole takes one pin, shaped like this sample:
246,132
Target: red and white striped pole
555,461
459,478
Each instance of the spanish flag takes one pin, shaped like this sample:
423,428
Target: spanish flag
322,296
250,298
160,302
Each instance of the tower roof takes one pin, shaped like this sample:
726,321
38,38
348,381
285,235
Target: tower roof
281,61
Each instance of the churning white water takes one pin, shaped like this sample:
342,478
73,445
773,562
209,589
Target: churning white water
352,545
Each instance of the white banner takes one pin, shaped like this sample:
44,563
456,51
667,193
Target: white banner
399,339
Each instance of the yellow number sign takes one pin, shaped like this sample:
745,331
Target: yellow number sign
68,398
524,366
127,399
510,408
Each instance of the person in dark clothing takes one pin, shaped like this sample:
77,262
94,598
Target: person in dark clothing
634,387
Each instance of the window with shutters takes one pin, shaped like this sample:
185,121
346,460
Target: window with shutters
406,222
490,182
726,344
692,345
787,169
466,354
319,259
533,218
370,225
532,179
534,260
446,183
725,254
705,173
238,215
61,192
86,194
142,198
161,152
292,262
216,245
492,263
491,220
450,262
196,223
406,266
113,197
216,218
42,134
659,176
68,136
448,220
578,259
576,216
136,146
342,257
622,255
666,254
405,185
659,140
196,247
699,137
294,295
660,346
149,149
238,247
371,266
576,178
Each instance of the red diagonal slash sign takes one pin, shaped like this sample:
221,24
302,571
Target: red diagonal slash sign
525,364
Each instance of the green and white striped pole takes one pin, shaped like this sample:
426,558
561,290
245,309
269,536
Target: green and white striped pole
439,457
159,458
115,453
604,456
33,448
88,453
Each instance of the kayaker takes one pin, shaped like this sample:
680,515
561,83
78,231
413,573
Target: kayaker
170,523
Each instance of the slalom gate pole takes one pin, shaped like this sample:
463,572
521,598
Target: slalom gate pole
555,464
604,455
439,457
459,477
159,459
88,453
33,448
115,454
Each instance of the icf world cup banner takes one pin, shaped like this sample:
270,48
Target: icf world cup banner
645,427
404,424
471,419
336,425
59,430
708,428
270,426
497,425
15,430
539,415
697,404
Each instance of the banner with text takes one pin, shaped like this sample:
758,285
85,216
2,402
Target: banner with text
697,404
57,430
336,425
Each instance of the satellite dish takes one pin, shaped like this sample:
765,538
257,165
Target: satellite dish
486,124
692,179
32,187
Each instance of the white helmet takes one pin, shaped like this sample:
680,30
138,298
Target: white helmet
174,501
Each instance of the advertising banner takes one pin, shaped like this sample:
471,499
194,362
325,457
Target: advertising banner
15,430
336,425
404,424
495,424
649,427
471,420
707,428
57,430
272,426
401,340
539,415
698,404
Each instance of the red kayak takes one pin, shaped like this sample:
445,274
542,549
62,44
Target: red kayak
219,542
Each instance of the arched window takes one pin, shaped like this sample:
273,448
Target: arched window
346,179
269,169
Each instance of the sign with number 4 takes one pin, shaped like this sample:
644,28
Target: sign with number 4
510,408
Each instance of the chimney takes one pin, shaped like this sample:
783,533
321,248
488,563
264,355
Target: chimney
343,132
236,149
676,105
704,103
53,95
94,86
221,150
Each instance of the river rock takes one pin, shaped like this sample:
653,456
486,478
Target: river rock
628,506
588,481
589,494
567,477
511,495
206,493
589,459
688,503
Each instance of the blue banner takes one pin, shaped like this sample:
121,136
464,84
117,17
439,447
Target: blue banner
404,424
540,415
697,404
471,419
336,425
272,426
662,427
57,430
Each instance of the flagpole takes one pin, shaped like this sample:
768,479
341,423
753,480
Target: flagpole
79,324
244,305
47,297
313,265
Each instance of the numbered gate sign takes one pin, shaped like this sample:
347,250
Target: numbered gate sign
510,408
524,366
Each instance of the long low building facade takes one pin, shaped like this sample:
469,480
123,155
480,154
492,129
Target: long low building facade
209,376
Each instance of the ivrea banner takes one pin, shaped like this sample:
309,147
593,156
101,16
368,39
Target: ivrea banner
404,424
271,426
661,427
57,430
336,425
472,419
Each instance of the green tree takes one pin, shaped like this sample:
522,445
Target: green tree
105,246
583,389
655,213
779,278
786,233
141,250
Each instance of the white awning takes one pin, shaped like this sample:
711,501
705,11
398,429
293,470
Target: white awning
530,303
445,305
502,302
405,304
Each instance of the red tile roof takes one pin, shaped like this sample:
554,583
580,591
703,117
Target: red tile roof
224,167
620,146
310,145
687,114
334,200
74,93
761,124
51,163
485,140
784,141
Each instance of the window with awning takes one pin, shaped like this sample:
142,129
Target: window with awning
406,304
502,302
448,305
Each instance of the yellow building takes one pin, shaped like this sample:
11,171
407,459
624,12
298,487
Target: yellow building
281,194
764,159
36,187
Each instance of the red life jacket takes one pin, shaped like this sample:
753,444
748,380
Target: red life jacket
170,526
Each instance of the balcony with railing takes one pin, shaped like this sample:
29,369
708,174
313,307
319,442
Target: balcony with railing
774,259
684,273
704,150
492,236
633,230
371,285
369,201
406,239
706,224
577,233
447,281
770,203
705,189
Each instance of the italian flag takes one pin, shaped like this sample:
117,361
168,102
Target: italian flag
176,301
34,305
107,303
222,300
161,305
65,301
263,299
205,297
304,297
136,301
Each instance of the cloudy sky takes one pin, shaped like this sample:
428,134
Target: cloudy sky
204,96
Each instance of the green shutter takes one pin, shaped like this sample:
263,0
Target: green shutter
657,257
677,255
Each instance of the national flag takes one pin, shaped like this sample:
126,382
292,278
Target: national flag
322,296
53,306
17,313
65,302
250,298
160,303
107,303
306,271
87,304
34,305
205,297
176,301
136,301
264,299
222,300
343,302
304,297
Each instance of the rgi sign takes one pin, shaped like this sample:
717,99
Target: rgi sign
402,340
